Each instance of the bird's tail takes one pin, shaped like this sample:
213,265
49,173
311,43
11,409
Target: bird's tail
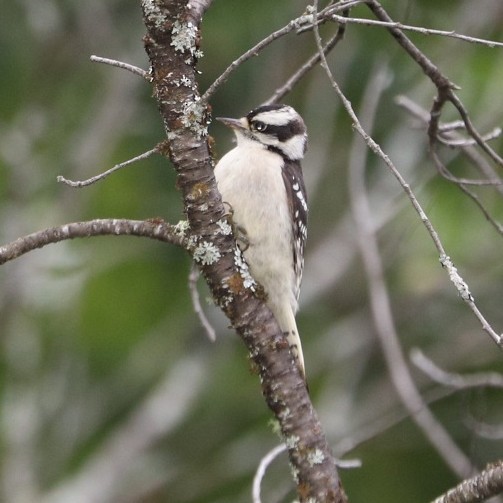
288,324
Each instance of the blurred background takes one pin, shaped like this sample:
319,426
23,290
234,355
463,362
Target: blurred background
111,392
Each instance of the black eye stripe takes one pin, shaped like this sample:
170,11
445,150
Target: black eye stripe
282,133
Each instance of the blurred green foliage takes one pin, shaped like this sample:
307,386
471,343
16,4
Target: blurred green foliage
94,330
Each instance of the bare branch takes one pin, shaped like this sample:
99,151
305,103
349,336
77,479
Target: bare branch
379,298
121,64
374,147
458,381
443,84
445,88
262,468
443,96
308,65
254,51
492,135
153,229
294,24
475,198
464,293
417,29
471,129
265,462
484,430
483,486
454,140
446,136
196,303
84,183
429,68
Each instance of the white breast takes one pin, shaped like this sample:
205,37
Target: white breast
249,178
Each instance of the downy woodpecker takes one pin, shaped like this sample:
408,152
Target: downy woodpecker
261,179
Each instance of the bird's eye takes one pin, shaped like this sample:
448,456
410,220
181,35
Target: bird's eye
259,126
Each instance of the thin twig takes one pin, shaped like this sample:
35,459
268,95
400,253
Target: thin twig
446,130
465,294
381,308
297,24
120,64
292,25
477,160
265,462
458,381
308,65
445,95
428,67
417,29
262,468
445,91
375,147
468,142
476,199
484,430
326,14
196,303
444,86
84,183
452,455
445,173
471,129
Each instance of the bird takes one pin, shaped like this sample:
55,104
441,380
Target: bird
261,180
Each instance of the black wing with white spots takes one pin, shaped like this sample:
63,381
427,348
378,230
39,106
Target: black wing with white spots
297,203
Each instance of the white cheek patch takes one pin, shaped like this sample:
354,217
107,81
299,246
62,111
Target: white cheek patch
295,147
266,139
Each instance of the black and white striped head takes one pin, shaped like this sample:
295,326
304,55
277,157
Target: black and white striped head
278,128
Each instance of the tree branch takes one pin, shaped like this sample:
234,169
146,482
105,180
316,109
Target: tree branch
380,302
445,88
305,68
172,44
120,64
153,229
448,136
486,484
196,304
452,380
84,183
417,29
444,85
294,24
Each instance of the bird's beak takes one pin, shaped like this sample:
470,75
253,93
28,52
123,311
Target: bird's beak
233,123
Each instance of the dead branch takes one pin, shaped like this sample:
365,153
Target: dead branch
153,229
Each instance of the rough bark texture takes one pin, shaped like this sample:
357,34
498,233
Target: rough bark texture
172,44
479,488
